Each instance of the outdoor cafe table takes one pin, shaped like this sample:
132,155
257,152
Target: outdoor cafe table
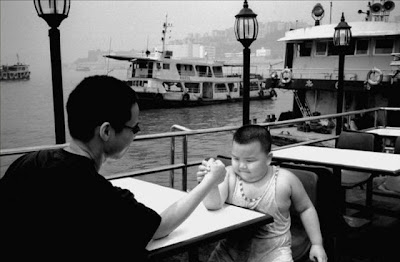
388,134
336,158
357,160
202,226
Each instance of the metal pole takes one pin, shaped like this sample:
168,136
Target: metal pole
246,86
58,101
339,109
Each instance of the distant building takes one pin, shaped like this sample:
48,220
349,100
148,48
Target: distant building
191,50
263,52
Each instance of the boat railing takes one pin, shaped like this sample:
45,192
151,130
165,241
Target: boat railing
177,131
351,74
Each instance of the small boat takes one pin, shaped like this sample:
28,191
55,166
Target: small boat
163,82
18,71
82,68
371,70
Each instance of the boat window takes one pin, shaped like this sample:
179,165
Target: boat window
333,50
166,66
185,70
129,82
254,86
142,65
204,71
192,87
321,48
384,46
233,87
218,71
304,49
361,47
172,86
220,88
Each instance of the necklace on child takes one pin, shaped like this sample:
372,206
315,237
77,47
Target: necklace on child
242,191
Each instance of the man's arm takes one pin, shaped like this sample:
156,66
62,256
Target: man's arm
174,215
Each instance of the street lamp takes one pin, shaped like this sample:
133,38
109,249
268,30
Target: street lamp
53,12
246,30
341,39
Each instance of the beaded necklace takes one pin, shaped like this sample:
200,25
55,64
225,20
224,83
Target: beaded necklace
244,195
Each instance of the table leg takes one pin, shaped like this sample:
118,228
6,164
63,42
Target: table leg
337,172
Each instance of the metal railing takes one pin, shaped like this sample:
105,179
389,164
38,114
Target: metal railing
186,132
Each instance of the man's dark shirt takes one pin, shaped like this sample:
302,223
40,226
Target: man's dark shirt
55,205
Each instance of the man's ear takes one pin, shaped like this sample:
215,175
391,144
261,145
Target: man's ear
105,131
269,158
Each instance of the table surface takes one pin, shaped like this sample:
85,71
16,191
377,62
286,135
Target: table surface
200,226
343,158
386,131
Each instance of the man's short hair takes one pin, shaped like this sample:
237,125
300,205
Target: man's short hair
98,99
253,133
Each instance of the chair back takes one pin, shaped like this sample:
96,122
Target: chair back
397,145
356,140
324,191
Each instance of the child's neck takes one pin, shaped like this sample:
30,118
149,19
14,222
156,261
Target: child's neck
267,173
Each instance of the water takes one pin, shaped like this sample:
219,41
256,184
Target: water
27,120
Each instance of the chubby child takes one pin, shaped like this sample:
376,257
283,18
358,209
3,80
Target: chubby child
252,182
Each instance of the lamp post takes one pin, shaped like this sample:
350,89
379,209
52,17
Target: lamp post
246,30
341,39
53,12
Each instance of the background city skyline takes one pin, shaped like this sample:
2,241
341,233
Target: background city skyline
137,25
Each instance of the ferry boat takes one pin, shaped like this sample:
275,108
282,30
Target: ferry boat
17,71
162,81
371,71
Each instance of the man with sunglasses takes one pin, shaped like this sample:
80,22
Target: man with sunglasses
54,204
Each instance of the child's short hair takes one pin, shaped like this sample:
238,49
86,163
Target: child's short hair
254,133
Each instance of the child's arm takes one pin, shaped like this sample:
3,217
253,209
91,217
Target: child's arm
218,194
309,218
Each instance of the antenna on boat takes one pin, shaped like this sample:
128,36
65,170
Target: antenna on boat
164,33
17,59
147,47
108,59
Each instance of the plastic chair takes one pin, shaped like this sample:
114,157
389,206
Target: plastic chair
351,179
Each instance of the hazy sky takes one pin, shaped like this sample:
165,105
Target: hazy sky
91,24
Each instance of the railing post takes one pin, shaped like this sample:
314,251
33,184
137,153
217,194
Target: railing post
172,158
185,162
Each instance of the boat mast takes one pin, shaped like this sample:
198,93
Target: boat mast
164,34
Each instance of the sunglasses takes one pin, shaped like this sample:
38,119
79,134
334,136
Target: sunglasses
134,129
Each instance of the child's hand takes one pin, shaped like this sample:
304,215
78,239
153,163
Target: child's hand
213,170
317,254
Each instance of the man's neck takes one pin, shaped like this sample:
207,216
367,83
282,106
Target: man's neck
79,148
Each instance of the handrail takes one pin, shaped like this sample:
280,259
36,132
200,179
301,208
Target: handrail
181,131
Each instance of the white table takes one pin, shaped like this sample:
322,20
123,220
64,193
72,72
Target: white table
388,135
368,161
386,131
200,227
338,159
